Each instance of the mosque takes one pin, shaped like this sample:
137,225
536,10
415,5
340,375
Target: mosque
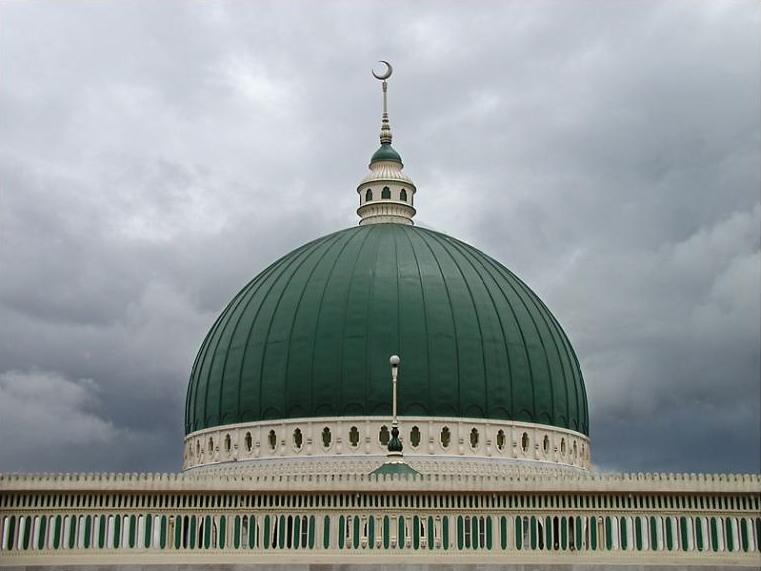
384,395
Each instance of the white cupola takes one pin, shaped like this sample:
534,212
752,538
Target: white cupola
386,194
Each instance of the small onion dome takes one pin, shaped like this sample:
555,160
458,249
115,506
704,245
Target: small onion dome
394,444
385,153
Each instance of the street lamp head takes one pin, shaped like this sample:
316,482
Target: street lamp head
394,360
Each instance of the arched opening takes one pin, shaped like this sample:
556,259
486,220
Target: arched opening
272,439
298,438
403,195
446,437
415,437
386,193
369,195
474,438
326,437
384,436
354,437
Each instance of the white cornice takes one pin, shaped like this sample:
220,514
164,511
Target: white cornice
386,171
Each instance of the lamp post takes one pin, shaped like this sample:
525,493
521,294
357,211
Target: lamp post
394,360
394,444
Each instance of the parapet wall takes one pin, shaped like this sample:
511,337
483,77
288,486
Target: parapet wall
520,479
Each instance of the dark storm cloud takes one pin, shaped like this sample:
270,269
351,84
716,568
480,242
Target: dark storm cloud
156,156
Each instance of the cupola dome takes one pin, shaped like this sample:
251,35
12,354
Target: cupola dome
385,153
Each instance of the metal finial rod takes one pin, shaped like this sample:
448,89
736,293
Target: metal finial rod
385,102
385,135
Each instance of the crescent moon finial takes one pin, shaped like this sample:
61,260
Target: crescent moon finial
383,76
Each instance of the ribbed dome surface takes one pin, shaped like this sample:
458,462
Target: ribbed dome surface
311,336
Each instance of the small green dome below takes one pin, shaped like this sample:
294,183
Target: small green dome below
397,467
386,153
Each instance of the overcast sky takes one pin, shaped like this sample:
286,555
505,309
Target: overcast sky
157,156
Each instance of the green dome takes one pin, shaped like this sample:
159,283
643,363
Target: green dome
385,153
311,336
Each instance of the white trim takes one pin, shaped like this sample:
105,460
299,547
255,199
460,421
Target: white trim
368,446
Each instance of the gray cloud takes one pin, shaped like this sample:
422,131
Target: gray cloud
156,157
